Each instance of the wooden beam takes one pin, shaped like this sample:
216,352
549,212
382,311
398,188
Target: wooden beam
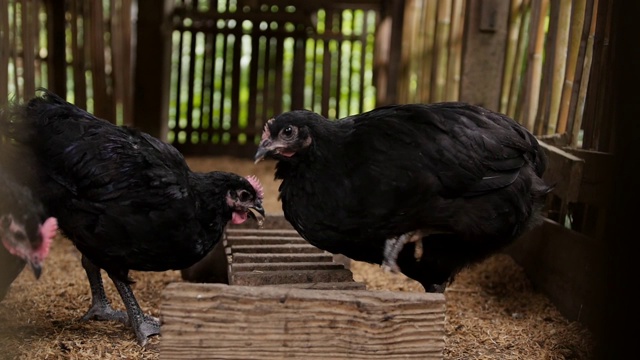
152,67
245,322
483,53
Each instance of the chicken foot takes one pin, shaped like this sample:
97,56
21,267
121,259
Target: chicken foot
393,246
100,306
143,325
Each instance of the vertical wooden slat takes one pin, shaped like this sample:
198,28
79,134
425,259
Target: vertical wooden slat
297,82
212,104
397,14
29,34
205,86
338,67
223,83
77,9
178,84
235,84
574,38
582,72
559,64
277,85
19,94
533,79
101,92
363,60
604,129
127,100
452,90
596,94
350,94
191,71
56,61
429,24
265,77
542,118
4,52
514,37
255,117
153,67
326,65
441,53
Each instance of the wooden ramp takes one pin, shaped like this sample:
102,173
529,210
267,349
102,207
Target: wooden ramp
273,255
268,294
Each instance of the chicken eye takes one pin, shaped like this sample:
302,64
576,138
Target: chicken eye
288,131
244,196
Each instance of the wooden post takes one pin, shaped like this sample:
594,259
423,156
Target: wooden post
56,62
152,67
389,52
483,54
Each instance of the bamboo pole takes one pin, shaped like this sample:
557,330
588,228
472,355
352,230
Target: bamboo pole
431,9
4,52
516,78
584,81
515,19
405,91
29,31
575,32
579,68
559,65
542,116
452,91
443,29
420,49
14,47
535,58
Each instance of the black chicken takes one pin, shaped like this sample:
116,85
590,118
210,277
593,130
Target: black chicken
422,189
25,232
127,200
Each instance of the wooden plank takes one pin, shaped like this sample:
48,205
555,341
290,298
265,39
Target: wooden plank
565,171
276,249
261,278
347,285
268,322
255,240
292,257
565,265
312,265
248,232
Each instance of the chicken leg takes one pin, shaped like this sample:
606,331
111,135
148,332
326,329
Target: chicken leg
393,246
143,325
100,306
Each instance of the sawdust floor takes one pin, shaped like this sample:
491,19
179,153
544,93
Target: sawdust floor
492,310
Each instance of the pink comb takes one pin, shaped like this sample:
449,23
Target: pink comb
265,131
253,180
48,231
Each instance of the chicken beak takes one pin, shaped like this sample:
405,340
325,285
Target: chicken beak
37,269
263,150
260,216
